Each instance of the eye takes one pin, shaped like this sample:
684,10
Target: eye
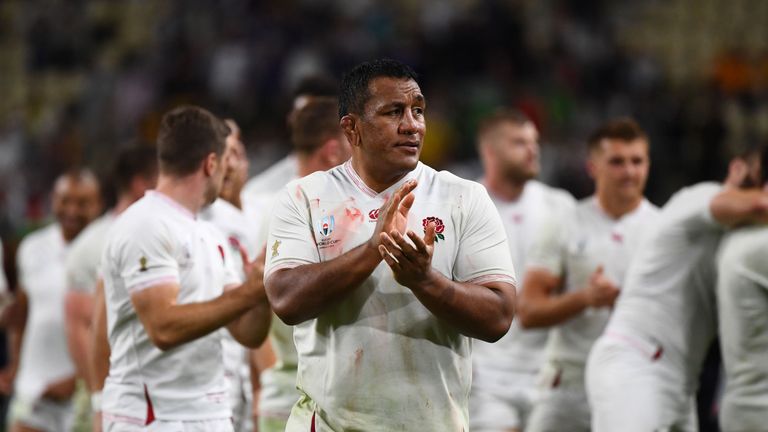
418,111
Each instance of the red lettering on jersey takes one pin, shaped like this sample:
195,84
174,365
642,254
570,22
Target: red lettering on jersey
618,238
150,410
373,214
221,252
517,218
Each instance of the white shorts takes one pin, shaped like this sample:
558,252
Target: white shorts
743,308
218,425
241,401
632,388
503,405
42,414
562,401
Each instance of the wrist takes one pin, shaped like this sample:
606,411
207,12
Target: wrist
96,401
431,279
584,297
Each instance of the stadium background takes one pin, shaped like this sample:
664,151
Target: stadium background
77,78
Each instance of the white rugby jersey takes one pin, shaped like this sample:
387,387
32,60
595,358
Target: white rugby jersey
157,241
44,353
742,300
380,360
84,256
572,247
259,192
520,350
668,297
233,224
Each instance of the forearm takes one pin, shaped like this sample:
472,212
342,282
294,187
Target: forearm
78,340
304,292
733,207
251,328
548,311
182,323
100,351
478,311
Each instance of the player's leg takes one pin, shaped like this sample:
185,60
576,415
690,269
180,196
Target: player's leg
491,412
562,403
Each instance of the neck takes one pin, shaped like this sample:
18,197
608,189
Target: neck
310,163
188,191
505,190
376,182
234,200
616,207
124,201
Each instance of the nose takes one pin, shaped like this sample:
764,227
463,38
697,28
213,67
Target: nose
409,125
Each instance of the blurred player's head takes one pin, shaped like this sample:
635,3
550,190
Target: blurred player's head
236,172
317,136
191,141
508,142
76,201
619,160
749,169
382,115
311,87
135,171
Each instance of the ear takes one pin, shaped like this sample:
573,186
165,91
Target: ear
349,125
209,164
590,165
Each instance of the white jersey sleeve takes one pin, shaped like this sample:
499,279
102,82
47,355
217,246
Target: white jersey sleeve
291,242
148,259
483,252
549,246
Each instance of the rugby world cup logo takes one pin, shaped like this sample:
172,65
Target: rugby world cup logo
325,225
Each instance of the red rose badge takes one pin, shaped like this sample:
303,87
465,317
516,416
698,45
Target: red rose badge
439,227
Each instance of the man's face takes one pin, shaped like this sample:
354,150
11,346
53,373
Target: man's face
620,168
515,150
76,202
236,162
390,132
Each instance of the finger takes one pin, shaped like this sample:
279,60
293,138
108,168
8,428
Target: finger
406,204
387,256
405,247
599,270
418,242
429,235
385,239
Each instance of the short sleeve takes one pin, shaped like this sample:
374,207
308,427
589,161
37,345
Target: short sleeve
291,242
692,207
549,245
147,258
483,252
81,272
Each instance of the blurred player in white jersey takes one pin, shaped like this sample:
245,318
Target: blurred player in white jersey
319,145
644,370
226,214
134,171
576,268
260,190
46,375
504,373
170,284
742,305
383,324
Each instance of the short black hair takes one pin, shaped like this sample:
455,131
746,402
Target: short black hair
188,134
354,85
622,129
134,159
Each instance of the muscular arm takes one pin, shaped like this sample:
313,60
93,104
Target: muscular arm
170,324
17,321
100,351
733,207
78,314
540,307
304,292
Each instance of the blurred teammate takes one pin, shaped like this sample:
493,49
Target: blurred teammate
226,214
260,190
504,373
742,305
644,370
319,145
46,375
577,266
170,283
385,345
135,171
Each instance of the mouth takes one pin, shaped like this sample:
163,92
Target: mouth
408,146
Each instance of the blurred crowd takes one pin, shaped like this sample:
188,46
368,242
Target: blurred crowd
81,77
